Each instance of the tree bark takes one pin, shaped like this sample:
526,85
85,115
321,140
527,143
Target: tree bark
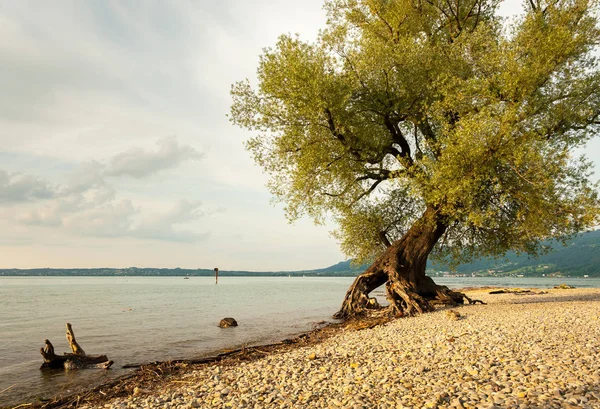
76,360
402,269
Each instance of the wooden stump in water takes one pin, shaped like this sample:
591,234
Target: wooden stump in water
75,360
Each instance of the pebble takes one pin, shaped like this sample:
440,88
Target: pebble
515,352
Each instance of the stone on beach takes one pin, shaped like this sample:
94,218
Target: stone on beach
563,287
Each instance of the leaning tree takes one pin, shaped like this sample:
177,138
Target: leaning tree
431,126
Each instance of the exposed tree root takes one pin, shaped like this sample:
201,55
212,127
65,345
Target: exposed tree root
402,268
404,300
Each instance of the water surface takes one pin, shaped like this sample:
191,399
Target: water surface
143,319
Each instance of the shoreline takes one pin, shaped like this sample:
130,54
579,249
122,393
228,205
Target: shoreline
146,375
215,381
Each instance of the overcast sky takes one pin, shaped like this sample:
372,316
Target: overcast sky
115,149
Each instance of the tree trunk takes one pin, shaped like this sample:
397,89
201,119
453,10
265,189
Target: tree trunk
402,268
76,360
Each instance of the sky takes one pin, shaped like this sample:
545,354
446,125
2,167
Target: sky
115,147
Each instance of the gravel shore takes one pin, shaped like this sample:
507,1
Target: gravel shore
518,351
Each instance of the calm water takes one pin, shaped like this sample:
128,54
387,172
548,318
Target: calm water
142,319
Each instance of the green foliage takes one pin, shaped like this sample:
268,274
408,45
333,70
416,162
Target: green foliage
402,105
364,235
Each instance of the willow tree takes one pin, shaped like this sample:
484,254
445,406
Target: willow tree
430,127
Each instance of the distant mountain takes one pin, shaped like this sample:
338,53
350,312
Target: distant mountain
342,268
581,256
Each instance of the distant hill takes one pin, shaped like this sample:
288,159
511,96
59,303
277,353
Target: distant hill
341,268
580,257
338,270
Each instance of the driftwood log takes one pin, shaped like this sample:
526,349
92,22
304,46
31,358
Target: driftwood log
78,359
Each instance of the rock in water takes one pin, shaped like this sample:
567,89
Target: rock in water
228,322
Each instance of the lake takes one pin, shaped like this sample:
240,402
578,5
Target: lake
143,319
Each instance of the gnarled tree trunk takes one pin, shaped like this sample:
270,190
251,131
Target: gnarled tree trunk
402,269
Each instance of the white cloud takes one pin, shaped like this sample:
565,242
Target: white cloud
140,163
17,187
112,219
85,177
88,204
50,213
78,216
162,226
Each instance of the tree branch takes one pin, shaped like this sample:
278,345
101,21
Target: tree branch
389,27
332,127
366,192
383,174
384,239
533,6
520,175
429,135
398,138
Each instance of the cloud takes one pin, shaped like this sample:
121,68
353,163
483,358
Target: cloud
162,226
122,219
85,177
139,163
90,177
87,204
117,218
17,187
112,219
52,212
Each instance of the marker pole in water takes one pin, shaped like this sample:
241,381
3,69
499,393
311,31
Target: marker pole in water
216,275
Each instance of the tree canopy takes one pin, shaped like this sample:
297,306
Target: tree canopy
404,105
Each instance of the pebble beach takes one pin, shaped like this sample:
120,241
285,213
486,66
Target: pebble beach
530,350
